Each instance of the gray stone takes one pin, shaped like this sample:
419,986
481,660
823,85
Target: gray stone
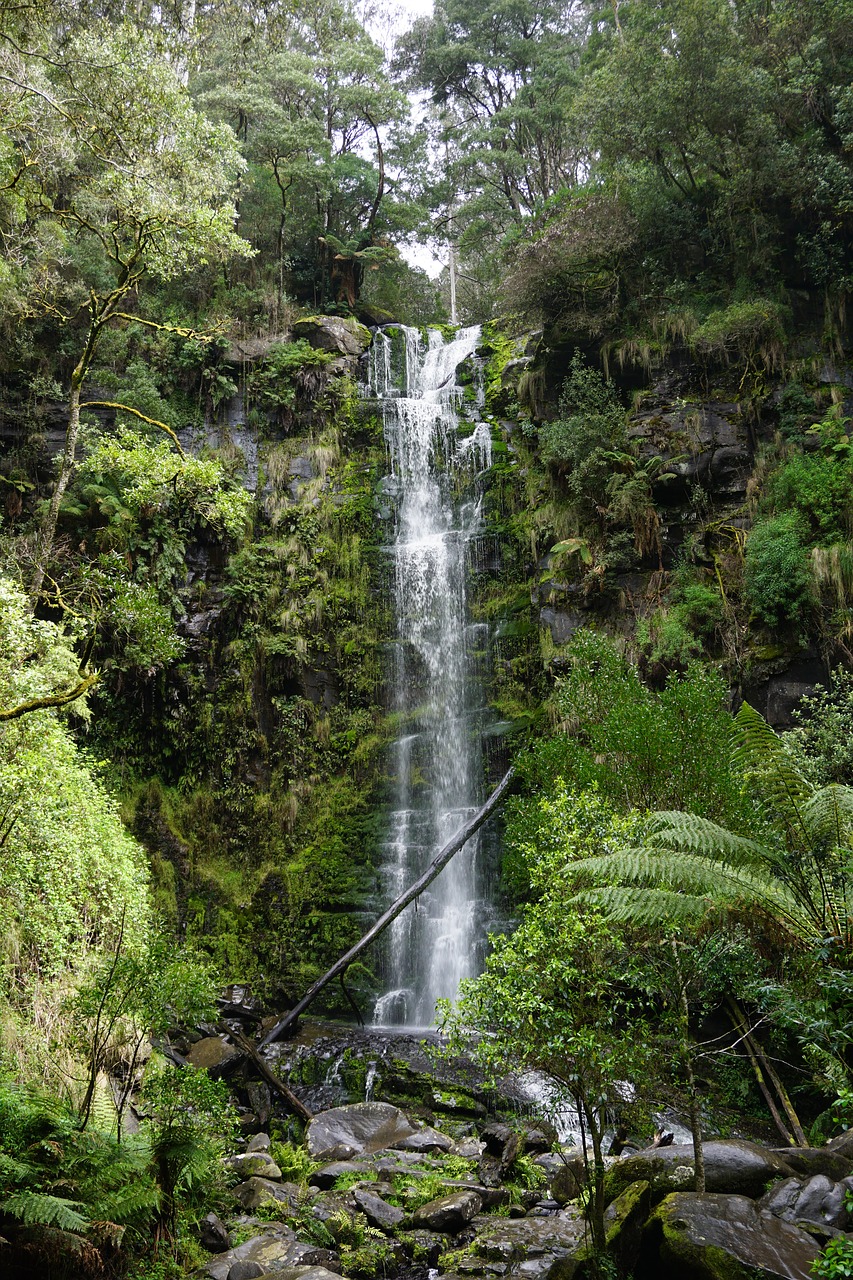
326,1177
214,1054
448,1214
842,1144
731,1165
334,333
811,1160
270,1250
306,1273
533,1247
213,1234
818,1200
426,1139
624,1220
378,1213
260,1142
254,1164
719,1237
254,1192
245,1270
363,1127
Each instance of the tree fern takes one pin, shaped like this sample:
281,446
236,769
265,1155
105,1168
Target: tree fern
762,757
37,1209
691,833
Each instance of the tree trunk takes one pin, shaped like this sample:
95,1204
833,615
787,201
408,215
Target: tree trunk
687,1059
441,859
47,532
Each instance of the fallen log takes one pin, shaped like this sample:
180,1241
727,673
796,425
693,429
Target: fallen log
297,1106
441,859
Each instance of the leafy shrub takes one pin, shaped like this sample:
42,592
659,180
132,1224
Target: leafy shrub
823,730
819,487
591,423
778,581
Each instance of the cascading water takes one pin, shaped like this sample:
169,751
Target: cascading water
436,762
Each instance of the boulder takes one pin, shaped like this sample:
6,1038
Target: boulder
502,1141
246,1269
624,1220
361,1128
254,1164
215,1054
569,1178
326,1177
259,1142
842,1144
719,1237
213,1234
254,1192
818,1200
808,1161
425,1139
449,1214
334,333
377,1211
550,1247
271,1250
732,1165
306,1273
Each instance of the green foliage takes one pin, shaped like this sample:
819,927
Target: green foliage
823,730
779,586
580,442
817,486
836,1260
295,1163
71,878
286,371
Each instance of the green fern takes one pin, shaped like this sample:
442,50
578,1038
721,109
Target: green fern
36,1209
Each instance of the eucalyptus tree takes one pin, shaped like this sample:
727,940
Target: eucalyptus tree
108,174
503,77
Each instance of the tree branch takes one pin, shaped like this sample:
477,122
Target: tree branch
52,700
441,859
125,408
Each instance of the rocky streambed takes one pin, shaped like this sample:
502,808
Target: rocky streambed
385,1193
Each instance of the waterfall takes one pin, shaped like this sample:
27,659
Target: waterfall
436,761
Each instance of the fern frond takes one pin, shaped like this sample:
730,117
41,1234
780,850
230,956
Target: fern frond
674,829
35,1209
829,815
759,752
646,907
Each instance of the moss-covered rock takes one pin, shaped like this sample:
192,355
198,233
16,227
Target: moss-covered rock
334,333
718,1237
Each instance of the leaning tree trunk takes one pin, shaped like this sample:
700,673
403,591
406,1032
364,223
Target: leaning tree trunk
440,861
47,532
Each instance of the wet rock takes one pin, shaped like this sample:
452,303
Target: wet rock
426,1139
533,1247
363,1127
254,1192
254,1164
731,1165
468,1148
213,1234
321,1272
259,1142
449,1214
377,1211
326,1177
818,1200
569,1178
501,1140
842,1144
721,1237
248,1270
214,1054
334,333
260,1100
624,1220
490,1170
808,1161
536,1141
271,1250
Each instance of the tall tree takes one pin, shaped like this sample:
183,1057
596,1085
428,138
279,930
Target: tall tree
110,169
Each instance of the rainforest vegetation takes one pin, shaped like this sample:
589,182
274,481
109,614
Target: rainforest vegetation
205,207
